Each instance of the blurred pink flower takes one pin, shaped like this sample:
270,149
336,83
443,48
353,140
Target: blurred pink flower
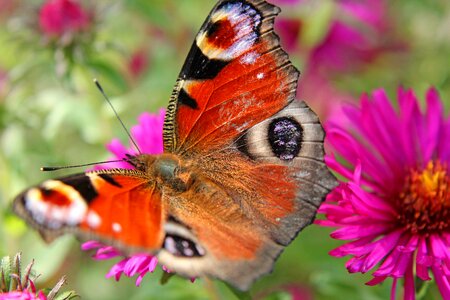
360,31
148,136
4,82
58,17
342,49
355,39
322,95
138,63
394,209
298,292
289,30
7,7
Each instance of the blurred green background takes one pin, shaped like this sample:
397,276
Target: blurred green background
52,114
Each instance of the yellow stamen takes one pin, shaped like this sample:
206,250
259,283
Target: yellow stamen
424,203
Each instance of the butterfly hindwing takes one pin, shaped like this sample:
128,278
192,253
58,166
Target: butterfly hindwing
255,196
114,206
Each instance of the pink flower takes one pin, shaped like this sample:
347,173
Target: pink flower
138,63
290,31
22,295
148,136
358,33
58,17
139,264
17,283
7,7
394,210
356,37
298,292
4,82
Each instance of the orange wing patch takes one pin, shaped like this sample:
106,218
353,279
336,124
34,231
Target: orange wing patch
117,206
131,215
227,107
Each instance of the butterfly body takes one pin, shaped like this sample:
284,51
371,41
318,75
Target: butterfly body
242,170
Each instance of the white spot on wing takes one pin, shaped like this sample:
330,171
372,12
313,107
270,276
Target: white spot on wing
188,252
93,219
245,21
249,58
260,76
35,205
170,245
116,227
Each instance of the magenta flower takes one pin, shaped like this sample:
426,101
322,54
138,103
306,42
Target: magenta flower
138,63
58,17
290,30
4,82
139,264
353,41
7,7
23,295
17,283
394,210
358,33
148,136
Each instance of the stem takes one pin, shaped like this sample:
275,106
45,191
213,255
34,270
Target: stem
422,293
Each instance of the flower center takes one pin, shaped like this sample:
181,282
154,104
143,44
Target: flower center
424,203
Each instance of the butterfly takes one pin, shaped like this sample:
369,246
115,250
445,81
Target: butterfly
242,170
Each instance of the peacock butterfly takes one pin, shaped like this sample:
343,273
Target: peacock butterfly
242,170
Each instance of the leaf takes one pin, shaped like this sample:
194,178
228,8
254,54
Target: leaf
113,77
67,296
5,273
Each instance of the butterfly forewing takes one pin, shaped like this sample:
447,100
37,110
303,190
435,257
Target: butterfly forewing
118,207
236,75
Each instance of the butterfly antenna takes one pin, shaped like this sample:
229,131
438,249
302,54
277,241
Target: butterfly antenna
49,169
117,115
